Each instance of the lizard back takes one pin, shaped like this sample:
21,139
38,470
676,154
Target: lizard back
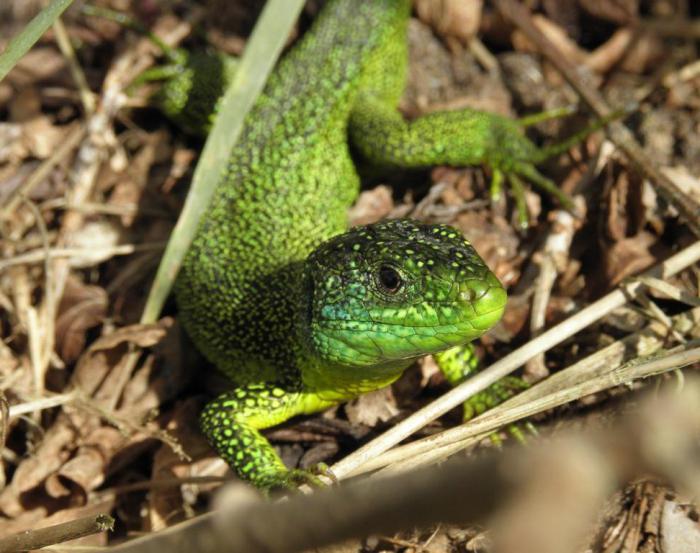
288,185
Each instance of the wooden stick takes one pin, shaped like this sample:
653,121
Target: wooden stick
58,533
460,490
510,362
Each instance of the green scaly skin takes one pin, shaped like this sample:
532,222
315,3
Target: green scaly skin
299,316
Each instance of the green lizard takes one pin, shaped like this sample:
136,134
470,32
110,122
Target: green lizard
298,315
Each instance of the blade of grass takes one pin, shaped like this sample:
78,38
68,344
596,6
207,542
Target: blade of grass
261,53
21,44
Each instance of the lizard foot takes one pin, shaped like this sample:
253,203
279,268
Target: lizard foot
291,479
492,396
518,163
516,175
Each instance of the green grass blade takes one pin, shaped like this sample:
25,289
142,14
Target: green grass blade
261,53
21,44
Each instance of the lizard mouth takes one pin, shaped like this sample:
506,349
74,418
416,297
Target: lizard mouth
380,343
369,341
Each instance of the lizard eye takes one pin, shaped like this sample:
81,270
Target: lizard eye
389,279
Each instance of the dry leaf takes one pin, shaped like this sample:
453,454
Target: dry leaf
97,238
25,105
88,468
629,256
458,18
163,376
11,148
371,408
39,64
131,183
41,137
102,356
372,205
166,504
617,11
82,307
101,372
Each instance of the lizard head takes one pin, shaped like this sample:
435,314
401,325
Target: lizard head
386,293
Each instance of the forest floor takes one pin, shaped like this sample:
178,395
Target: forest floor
102,410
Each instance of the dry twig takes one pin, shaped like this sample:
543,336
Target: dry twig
436,448
586,468
511,362
59,533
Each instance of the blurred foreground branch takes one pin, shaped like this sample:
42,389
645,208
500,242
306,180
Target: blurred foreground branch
58,533
561,483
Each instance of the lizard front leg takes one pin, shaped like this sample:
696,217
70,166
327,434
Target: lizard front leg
232,421
461,362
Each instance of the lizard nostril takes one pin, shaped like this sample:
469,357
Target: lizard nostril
467,295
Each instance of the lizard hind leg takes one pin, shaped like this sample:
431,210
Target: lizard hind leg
530,172
496,184
192,83
518,189
231,424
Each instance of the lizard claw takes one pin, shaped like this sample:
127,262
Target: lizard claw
322,469
515,176
518,431
291,479
517,158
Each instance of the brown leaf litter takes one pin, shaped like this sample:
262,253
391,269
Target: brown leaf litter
75,189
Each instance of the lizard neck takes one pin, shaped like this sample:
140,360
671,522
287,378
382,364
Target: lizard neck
334,383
